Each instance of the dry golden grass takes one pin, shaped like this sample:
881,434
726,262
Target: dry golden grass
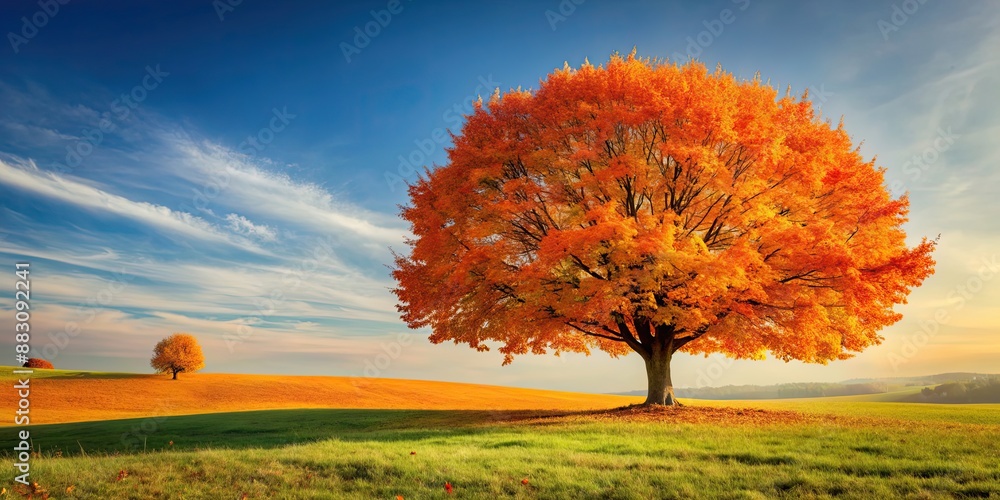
57,400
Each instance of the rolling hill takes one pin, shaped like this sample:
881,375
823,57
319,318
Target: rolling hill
73,396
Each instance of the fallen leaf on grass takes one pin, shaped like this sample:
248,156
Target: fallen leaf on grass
447,487
524,481
122,474
30,491
70,488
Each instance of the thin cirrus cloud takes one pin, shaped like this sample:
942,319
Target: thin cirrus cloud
28,177
242,225
221,176
322,292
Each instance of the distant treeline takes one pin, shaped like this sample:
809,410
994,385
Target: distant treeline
940,378
781,391
979,390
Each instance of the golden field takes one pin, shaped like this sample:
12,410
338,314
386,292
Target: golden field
59,396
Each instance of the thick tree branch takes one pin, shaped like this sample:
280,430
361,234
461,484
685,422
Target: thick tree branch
592,334
585,268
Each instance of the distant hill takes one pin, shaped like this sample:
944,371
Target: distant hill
978,390
974,385
940,378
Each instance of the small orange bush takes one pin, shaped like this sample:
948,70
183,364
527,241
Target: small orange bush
38,363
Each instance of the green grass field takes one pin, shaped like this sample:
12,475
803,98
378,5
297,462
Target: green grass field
822,449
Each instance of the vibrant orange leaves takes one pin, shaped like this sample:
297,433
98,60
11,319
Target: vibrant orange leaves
638,200
38,363
177,353
448,488
34,490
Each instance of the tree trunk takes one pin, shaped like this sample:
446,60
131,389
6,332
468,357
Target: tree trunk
660,390
175,374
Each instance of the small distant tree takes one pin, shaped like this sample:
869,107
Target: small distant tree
38,363
177,353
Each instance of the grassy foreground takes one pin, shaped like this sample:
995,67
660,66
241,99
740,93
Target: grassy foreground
695,451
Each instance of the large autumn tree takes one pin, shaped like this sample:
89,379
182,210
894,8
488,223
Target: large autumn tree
656,208
177,353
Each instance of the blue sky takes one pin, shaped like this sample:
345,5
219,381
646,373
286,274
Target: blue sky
234,171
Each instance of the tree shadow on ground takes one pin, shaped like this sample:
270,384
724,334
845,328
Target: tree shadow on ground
286,427
262,429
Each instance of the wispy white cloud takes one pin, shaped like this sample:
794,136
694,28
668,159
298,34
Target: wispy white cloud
38,135
241,184
29,178
244,226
